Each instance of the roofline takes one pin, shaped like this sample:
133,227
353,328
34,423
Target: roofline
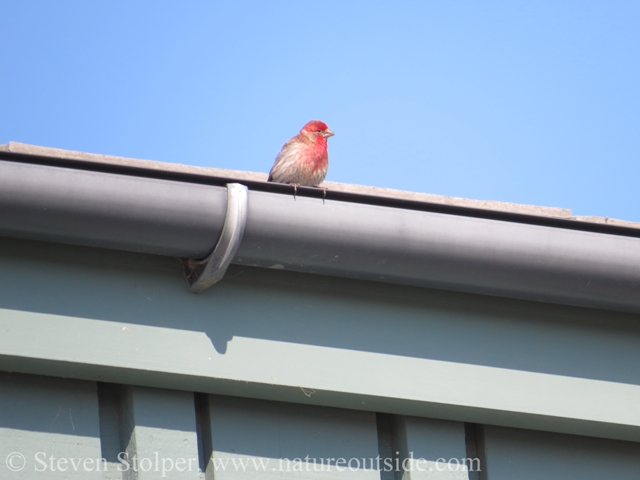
179,211
356,193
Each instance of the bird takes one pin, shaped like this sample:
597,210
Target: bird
303,160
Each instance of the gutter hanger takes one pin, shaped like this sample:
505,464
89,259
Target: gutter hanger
204,274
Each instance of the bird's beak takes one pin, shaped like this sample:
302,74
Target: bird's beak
328,133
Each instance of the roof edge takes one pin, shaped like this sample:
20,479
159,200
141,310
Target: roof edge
241,175
379,192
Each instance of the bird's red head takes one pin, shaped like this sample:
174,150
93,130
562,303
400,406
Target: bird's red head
317,127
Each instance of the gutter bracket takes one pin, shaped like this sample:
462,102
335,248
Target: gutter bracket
202,274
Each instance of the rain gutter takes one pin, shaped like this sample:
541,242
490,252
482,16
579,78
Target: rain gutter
346,235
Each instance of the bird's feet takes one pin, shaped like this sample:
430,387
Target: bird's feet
295,189
324,193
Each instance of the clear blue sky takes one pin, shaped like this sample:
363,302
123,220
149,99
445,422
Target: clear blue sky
522,101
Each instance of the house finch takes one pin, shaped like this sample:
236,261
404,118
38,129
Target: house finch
303,160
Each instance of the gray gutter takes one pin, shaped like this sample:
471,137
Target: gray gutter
353,236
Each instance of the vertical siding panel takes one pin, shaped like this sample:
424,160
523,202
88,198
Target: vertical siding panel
109,401
53,423
431,449
268,440
532,455
158,433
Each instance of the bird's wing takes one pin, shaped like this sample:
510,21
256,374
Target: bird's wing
286,162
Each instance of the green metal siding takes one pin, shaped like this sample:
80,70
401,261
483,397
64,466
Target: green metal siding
46,424
285,440
126,318
64,428
528,455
